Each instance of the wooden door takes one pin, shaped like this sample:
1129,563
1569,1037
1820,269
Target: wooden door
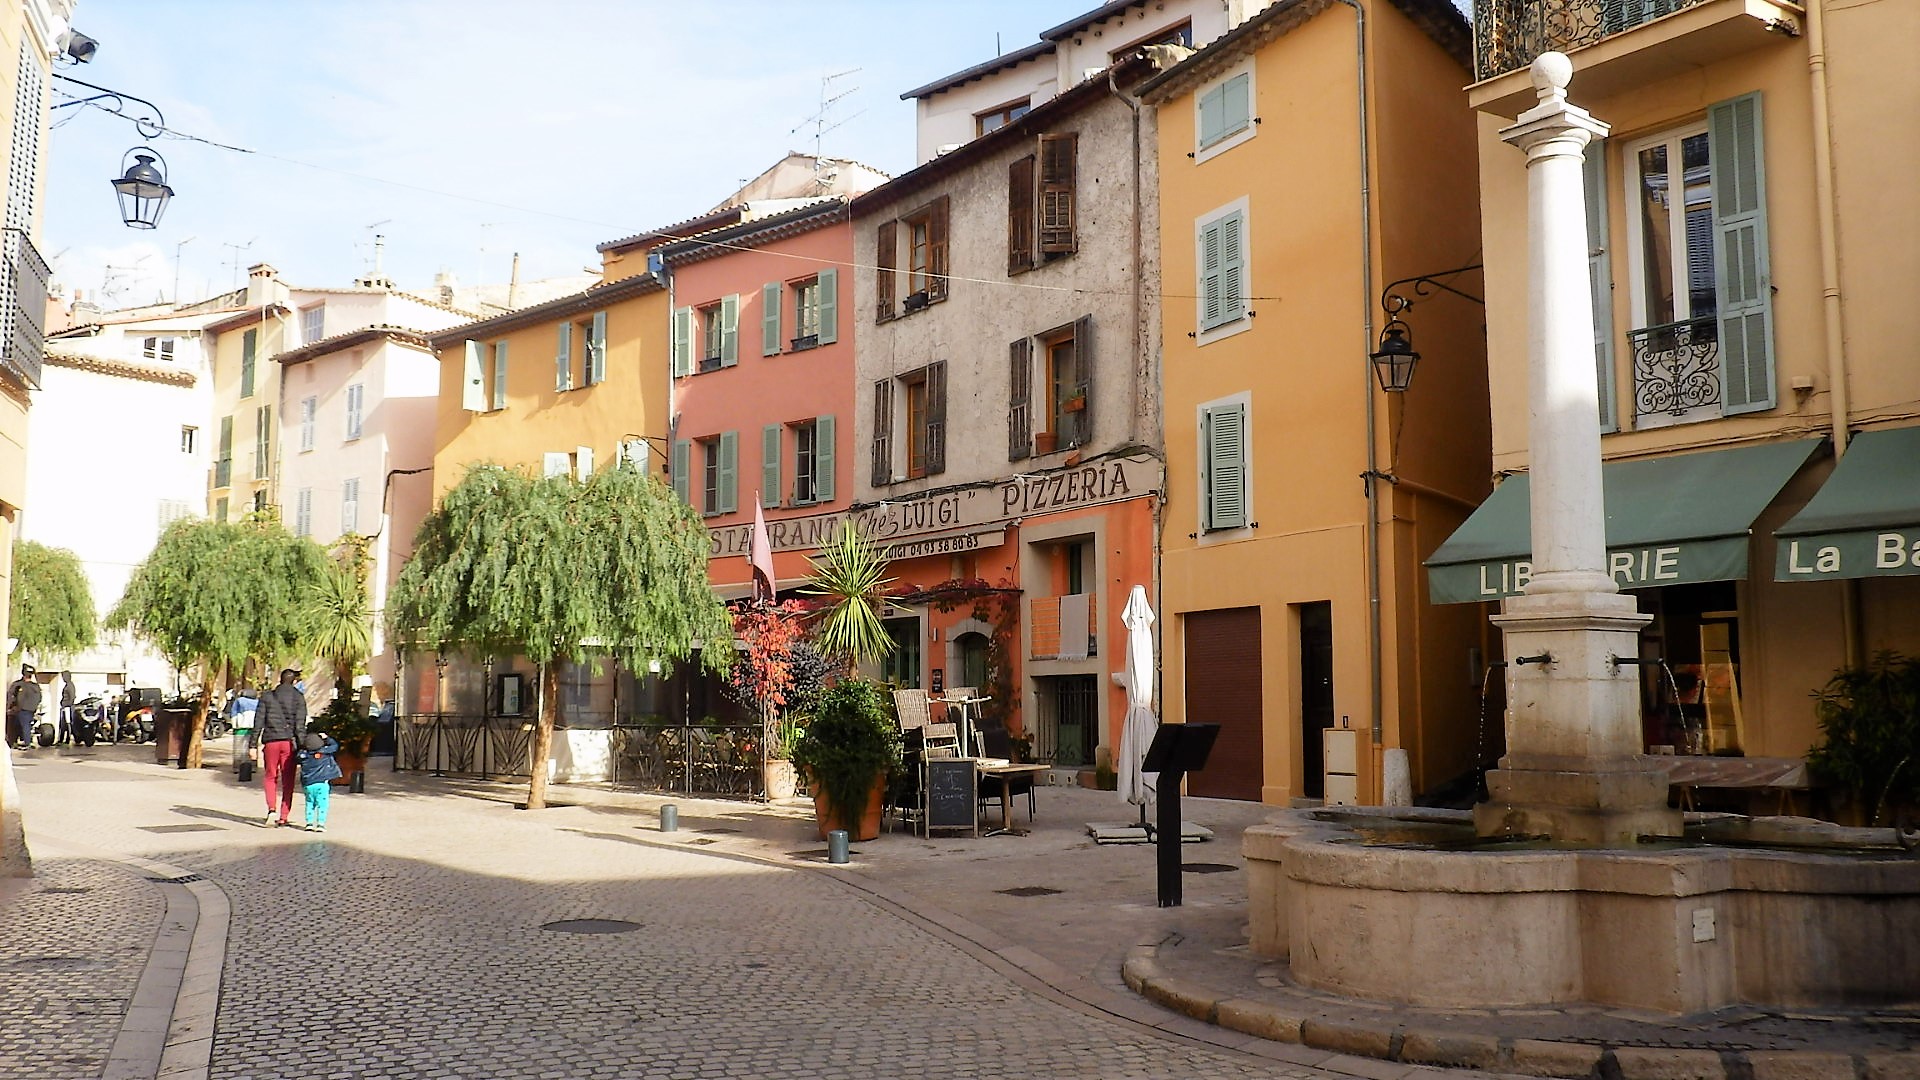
1223,687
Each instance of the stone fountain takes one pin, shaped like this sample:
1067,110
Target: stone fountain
1575,881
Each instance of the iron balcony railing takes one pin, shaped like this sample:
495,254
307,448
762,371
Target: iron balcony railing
23,308
1676,367
1509,34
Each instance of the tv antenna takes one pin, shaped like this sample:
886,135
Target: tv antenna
379,246
822,121
110,280
233,260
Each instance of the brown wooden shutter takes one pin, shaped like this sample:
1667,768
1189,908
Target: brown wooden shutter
883,258
1020,215
1058,154
883,432
936,417
937,250
1083,379
1020,411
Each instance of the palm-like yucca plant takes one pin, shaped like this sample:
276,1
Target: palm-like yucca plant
851,573
336,621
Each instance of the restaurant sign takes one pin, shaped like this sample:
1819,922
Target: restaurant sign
1886,552
968,517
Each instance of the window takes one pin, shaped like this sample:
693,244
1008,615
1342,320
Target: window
188,435
717,459
916,390
220,509
706,338
1221,258
157,348
902,665
309,409
1041,198
816,313
303,512
1178,34
1224,115
922,240
925,396
350,505
1069,356
1698,278
812,460
498,397
313,321
260,501
262,442
1223,465
355,400
806,314
249,342
993,119
593,334
712,333
223,464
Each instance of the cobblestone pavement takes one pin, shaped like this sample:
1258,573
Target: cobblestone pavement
415,939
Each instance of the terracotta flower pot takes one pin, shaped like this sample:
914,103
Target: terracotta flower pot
869,825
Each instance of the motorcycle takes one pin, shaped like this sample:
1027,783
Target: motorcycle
89,721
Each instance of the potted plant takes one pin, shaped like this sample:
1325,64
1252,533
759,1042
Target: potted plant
1870,723
849,749
1045,442
353,729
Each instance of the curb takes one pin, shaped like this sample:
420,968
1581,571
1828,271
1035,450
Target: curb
1524,1057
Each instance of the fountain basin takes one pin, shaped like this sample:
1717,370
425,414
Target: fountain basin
1407,906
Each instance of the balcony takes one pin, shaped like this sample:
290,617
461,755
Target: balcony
1043,624
23,308
1509,34
1676,372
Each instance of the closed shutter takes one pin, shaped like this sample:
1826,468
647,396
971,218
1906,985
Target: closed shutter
729,479
582,462
309,408
770,319
350,505
882,432
356,399
1083,379
1600,281
1020,398
1224,686
500,374
937,249
770,440
682,454
563,357
1058,169
597,349
1209,275
730,330
936,417
682,348
1233,267
1020,215
249,347
884,255
1225,462
1213,116
1744,277
1237,108
303,513
473,391
827,295
262,442
823,459
555,463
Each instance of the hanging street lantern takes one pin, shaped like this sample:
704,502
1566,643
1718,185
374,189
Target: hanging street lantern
1394,360
143,189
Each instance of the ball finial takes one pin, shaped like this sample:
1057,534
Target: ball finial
1552,72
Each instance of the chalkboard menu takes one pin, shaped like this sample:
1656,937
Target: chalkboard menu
953,794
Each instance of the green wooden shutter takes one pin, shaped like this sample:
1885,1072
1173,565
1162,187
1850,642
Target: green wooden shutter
1210,275
771,438
597,349
823,459
729,479
682,341
1600,281
1236,107
770,319
1225,505
828,294
473,392
1743,278
682,454
1233,267
563,357
249,350
1213,115
500,374
730,330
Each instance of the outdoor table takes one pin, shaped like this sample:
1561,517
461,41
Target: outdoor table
1007,771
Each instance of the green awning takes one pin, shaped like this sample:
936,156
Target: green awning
1670,521
1864,521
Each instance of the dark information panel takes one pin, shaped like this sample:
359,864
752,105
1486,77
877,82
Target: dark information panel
953,794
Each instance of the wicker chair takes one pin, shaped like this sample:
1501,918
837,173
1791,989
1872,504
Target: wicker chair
934,740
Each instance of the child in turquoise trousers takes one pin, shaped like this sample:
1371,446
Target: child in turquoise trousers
317,771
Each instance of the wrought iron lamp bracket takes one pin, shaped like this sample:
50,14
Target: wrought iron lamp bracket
1393,303
151,123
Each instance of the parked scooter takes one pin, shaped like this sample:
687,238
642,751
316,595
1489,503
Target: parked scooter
89,721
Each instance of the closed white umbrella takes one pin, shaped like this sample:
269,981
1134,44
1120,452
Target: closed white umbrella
1138,730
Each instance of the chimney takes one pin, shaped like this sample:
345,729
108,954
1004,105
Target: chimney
445,283
264,286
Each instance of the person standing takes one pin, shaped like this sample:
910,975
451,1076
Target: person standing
65,733
23,704
318,768
279,723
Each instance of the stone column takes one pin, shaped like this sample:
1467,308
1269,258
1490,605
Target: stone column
1573,771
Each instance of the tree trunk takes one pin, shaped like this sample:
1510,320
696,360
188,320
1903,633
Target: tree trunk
542,740
194,748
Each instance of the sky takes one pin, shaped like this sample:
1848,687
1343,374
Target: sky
467,130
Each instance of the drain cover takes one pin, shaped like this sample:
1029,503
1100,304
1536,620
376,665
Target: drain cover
703,840
180,828
69,889
591,926
1207,868
1028,890
183,879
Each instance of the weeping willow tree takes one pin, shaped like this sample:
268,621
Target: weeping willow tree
213,593
560,571
51,609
